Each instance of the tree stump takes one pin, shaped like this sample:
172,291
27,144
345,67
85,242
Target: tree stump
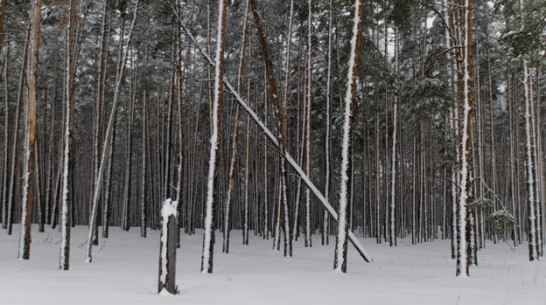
167,245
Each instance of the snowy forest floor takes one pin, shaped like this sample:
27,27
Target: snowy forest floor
125,271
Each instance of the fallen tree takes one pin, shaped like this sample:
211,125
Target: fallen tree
352,237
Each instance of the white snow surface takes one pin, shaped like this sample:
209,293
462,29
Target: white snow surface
124,271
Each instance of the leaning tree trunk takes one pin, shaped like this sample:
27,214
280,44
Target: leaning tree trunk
289,159
279,119
340,259
99,104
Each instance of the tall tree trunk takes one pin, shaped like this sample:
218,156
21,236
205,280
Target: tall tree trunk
145,161
215,118
6,152
530,152
30,135
464,62
308,112
125,224
3,13
327,140
340,260
99,105
106,146
181,121
392,210
279,118
68,158
286,156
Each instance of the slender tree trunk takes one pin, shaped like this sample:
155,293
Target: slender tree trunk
181,122
530,152
464,59
340,260
392,233
278,113
107,147
30,135
125,225
327,140
530,166
273,139
68,159
145,161
6,153
309,103
99,105
5,162
208,236
3,13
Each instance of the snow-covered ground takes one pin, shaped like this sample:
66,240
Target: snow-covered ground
125,271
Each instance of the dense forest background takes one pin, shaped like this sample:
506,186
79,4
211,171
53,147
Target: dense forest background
142,62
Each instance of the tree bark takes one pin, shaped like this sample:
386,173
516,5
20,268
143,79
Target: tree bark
340,260
68,158
215,118
167,254
106,146
30,135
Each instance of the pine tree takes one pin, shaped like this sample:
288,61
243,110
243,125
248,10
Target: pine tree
340,260
215,118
